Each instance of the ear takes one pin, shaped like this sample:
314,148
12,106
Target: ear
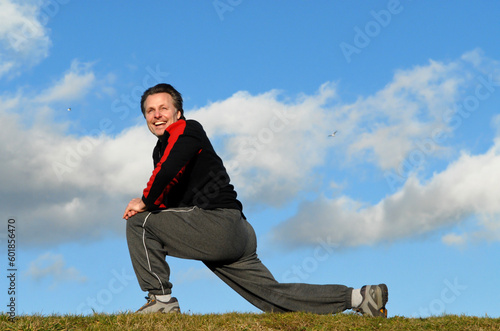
178,114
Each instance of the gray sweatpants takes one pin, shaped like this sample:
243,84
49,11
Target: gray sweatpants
225,242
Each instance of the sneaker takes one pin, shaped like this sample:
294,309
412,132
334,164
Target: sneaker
154,306
374,299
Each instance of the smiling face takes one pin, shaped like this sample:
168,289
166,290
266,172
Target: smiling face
160,112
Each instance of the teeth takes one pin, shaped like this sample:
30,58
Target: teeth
159,123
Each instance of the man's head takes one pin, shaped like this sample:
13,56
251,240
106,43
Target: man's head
161,106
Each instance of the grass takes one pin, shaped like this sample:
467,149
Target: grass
245,321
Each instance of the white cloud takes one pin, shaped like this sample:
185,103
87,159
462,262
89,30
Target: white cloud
55,180
24,39
270,146
53,266
454,239
77,185
409,108
74,85
487,229
468,187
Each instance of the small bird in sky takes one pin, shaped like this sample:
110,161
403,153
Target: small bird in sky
333,134
69,109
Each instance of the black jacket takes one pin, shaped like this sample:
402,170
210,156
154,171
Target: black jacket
188,172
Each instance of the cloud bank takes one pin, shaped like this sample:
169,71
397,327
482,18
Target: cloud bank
60,186
467,187
65,187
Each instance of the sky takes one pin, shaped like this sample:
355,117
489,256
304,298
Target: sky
406,193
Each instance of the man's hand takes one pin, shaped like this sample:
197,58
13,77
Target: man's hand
134,206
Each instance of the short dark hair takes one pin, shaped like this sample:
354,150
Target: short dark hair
163,88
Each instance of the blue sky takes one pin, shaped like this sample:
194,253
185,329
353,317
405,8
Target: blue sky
406,193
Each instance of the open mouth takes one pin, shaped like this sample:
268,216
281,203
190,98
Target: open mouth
160,123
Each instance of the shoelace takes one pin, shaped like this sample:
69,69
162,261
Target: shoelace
149,300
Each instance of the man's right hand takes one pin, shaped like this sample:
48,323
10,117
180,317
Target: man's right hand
134,206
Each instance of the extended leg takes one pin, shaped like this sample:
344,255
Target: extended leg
252,280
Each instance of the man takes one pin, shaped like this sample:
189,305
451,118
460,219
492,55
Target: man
189,210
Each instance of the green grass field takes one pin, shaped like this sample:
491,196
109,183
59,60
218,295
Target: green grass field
239,321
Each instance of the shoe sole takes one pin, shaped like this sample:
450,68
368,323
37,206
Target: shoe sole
168,307
174,310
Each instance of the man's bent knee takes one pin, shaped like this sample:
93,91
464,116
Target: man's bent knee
137,220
